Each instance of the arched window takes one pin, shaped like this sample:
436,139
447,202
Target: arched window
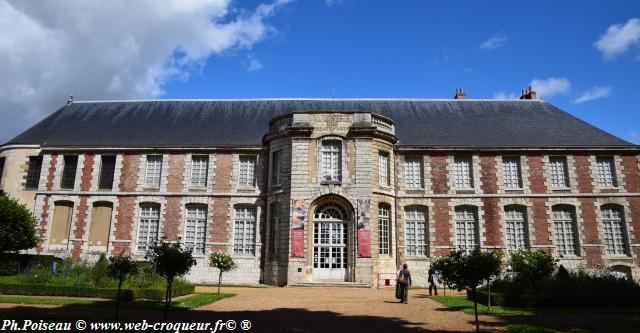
195,228
61,225
416,231
614,228
564,227
330,212
466,228
100,224
516,232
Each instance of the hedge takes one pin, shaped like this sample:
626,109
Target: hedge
528,301
14,263
126,294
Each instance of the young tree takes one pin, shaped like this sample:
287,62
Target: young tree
17,226
532,266
170,261
468,271
222,262
119,268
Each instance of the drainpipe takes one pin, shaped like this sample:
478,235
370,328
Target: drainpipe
396,206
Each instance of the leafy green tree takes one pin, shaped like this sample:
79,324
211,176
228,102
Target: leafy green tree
468,271
532,266
17,226
119,268
223,262
170,261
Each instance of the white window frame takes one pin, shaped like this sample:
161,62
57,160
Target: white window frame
614,231
559,172
416,231
153,171
511,172
515,228
413,170
331,151
463,172
383,168
195,228
244,231
466,228
384,247
564,231
199,171
606,172
148,226
247,170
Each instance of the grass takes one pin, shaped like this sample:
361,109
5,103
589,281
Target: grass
523,328
231,285
461,303
185,303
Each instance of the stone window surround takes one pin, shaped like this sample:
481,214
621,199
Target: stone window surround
135,226
474,202
257,243
571,172
186,175
58,248
400,225
97,167
142,169
623,204
524,174
475,174
619,173
343,158
113,200
520,203
579,221
59,169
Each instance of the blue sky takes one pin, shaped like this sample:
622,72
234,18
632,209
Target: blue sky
359,49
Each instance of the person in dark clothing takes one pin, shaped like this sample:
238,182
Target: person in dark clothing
404,280
433,281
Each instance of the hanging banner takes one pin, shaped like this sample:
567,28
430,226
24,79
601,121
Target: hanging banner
364,228
297,232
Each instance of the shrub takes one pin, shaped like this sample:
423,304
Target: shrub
17,226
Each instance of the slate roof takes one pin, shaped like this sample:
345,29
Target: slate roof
240,123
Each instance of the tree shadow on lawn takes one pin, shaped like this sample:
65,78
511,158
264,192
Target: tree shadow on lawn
276,320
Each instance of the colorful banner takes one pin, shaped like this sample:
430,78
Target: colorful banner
298,222
364,228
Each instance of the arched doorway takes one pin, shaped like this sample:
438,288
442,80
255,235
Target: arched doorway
330,242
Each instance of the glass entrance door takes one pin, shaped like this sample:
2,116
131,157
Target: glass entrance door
330,244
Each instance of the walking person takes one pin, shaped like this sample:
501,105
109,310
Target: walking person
433,281
404,281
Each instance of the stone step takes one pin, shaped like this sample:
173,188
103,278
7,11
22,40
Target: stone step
329,285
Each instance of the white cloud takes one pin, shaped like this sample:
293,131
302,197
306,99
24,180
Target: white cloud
113,49
551,86
493,43
618,38
332,3
253,64
593,93
501,95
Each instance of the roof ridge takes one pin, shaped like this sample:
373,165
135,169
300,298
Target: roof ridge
305,99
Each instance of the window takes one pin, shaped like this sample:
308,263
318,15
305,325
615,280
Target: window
565,232
416,232
515,220
61,226
1,167
413,172
148,226
276,168
100,224
615,235
383,230
383,169
199,170
558,171
33,174
247,171
244,231
463,172
606,176
331,160
466,229
511,173
153,173
275,224
69,171
107,169
195,228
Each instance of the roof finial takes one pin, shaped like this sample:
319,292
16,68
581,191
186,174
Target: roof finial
71,99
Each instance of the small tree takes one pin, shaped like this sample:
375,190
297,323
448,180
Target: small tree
468,271
170,261
119,268
532,266
17,226
223,262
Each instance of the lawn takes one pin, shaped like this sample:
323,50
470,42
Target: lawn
461,303
185,303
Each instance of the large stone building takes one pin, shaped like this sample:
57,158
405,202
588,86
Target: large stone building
313,190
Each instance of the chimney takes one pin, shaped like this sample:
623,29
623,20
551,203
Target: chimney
71,99
460,94
528,94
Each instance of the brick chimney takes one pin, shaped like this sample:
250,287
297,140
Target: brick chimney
460,94
528,94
